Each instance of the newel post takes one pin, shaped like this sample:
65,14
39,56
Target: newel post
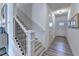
29,39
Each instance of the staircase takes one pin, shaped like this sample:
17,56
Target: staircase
38,48
28,44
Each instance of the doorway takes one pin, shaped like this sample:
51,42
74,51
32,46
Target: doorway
61,24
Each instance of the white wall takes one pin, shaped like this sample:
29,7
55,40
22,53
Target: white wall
47,37
40,19
26,8
39,14
51,18
73,34
73,39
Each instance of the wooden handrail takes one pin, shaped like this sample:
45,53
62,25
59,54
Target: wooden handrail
20,24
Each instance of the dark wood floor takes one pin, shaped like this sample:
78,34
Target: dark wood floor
59,47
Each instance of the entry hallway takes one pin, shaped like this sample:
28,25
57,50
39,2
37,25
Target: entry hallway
59,47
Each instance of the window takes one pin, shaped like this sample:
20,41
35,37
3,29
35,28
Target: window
61,24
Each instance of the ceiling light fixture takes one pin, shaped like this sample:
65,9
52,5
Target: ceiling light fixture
60,11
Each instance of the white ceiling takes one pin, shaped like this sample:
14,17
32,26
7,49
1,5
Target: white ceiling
56,6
